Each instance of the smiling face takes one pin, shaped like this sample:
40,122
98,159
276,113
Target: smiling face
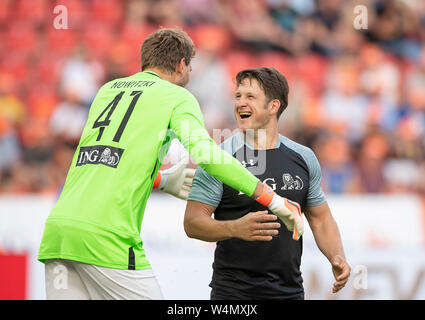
251,108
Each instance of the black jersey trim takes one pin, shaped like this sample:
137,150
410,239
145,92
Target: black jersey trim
153,73
131,259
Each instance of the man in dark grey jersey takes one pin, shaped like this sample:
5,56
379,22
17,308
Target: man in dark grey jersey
255,257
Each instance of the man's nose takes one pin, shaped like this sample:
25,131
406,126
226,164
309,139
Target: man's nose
241,102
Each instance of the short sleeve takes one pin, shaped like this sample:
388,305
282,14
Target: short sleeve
315,195
206,188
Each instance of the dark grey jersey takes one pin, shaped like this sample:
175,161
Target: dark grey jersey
261,270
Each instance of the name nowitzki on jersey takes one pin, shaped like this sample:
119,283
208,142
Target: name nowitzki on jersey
221,309
131,84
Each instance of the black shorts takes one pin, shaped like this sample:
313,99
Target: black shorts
241,296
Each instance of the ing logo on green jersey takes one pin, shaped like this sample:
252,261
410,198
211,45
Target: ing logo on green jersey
106,155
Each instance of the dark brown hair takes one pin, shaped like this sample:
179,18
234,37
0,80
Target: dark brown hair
165,48
273,83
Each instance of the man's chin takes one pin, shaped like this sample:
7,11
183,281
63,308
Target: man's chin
243,125
250,130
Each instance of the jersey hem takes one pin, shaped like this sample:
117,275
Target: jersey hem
43,258
203,201
315,203
100,227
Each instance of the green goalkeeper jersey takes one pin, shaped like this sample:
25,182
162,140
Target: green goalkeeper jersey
98,216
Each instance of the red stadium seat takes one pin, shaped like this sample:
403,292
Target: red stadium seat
61,41
119,53
279,61
5,8
98,38
135,34
15,64
311,69
42,100
33,132
77,12
211,37
107,11
238,60
34,11
133,65
123,58
21,36
132,36
48,67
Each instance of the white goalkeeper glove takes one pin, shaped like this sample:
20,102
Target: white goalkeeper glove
288,211
176,180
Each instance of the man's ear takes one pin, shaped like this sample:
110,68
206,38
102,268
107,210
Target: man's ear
274,106
180,66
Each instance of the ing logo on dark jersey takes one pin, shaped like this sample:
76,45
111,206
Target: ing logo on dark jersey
106,155
289,183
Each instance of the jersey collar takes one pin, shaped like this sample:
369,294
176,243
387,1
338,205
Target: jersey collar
152,73
244,141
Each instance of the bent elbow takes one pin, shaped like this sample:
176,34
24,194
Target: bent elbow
188,229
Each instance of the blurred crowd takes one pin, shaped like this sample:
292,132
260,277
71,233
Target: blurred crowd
357,97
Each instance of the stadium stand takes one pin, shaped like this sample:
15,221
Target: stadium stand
356,96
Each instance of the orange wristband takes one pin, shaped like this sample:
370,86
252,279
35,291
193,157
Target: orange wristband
157,180
266,195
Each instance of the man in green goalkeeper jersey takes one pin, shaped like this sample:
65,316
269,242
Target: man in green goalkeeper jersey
92,236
